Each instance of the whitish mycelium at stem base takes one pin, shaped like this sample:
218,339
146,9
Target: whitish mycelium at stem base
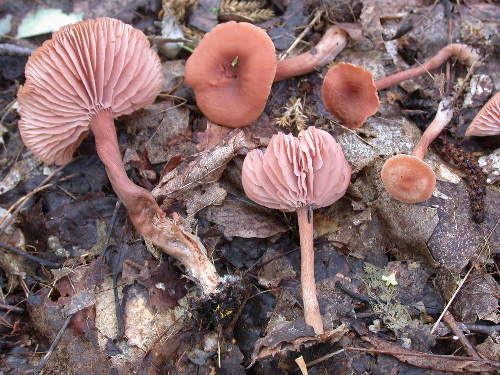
296,174
82,78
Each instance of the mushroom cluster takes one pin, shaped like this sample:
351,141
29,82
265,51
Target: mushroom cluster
94,71
299,174
233,67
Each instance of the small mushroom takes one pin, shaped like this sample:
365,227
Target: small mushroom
487,121
330,45
231,72
350,93
408,178
87,74
299,174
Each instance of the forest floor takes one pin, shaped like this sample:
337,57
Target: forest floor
100,300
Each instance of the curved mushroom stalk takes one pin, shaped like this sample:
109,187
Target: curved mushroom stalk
331,44
462,52
88,73
294,174
408,178
145,214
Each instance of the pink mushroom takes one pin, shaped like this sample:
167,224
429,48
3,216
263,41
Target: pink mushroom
79,80
298,174
487,121
350,93
408,178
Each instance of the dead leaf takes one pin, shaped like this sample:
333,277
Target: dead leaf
242,220
204,196
275,271
290,336
478,298
161,129
206,167
211,136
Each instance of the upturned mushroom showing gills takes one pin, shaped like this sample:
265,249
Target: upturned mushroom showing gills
408,178
231,72
487,121
79,80
299,174
350,93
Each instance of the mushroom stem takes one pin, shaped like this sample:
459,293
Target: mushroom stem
312,313
461,51
102,125
330,45
443,117
146,216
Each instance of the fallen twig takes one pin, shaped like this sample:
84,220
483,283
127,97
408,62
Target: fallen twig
450,320
24,254
13,50
10,308
54,344
426,360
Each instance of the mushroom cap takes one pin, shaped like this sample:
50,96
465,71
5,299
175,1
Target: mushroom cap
296,172
408,179
231,72
349,92
100,64
487,121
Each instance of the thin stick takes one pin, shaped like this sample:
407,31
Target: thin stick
416,354
450,320
301,35
324,358
461,283
24,254
10,308
13,50
58,338
451,300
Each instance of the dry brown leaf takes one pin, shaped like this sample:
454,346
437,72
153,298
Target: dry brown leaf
242,220
290,336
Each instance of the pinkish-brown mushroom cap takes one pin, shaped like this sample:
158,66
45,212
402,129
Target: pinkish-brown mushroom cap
408,179
350,94
297,172
487,121
231,72
86,67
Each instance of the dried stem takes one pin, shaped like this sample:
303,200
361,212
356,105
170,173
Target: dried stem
145,214
312,313
460,51
450,320
443,117
330,45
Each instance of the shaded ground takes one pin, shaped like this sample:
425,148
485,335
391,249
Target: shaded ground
385,270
